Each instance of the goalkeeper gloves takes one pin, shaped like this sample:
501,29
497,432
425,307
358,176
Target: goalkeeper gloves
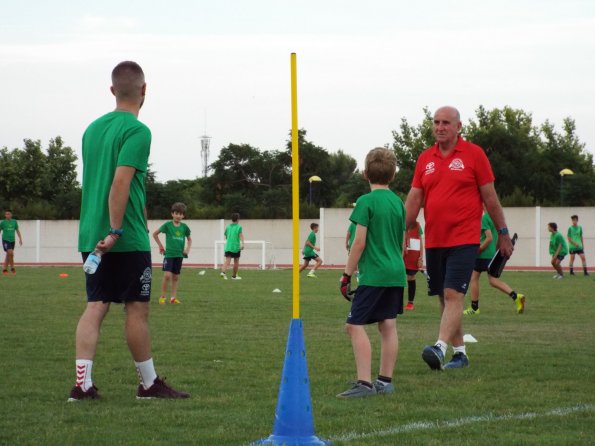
345,287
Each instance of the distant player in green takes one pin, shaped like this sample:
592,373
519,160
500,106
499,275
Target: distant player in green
176,249
378,251
576,244
558,249
310,252
9,226
487,250
350,236
234,243
414,260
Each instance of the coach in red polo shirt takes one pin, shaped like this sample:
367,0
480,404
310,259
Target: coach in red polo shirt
452,179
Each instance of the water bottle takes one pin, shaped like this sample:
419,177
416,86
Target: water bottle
92,262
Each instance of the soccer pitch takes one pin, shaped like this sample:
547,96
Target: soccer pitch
531,379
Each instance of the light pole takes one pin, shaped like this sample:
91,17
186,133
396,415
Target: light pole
563,172
313,178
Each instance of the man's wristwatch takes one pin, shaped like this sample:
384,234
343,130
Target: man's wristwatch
503,231
117,232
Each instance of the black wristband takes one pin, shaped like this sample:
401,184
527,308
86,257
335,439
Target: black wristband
503,231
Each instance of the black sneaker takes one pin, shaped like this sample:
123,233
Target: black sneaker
159,390
77,394
458,361
433,356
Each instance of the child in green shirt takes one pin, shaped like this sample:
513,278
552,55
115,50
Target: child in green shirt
311,251
558,249
377,251
9,226
176,234
576,245
234,243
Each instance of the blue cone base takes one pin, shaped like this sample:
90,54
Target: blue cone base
282,440
294,422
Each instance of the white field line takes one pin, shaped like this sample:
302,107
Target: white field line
425,425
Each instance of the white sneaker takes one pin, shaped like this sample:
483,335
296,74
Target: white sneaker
558,277
223,276
235,278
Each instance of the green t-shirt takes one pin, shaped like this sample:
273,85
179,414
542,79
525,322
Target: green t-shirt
175,238
351,230
488,225
575,233
8,228
557,239
232,237
115,139
383,214
308,250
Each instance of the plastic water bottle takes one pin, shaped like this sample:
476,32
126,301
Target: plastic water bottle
92,262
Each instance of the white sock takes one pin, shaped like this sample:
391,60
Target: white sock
442,345
460,349
84,367
146,372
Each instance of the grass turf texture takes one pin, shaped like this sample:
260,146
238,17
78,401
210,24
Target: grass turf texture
225,344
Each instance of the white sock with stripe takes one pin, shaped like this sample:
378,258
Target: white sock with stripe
146,372
84,367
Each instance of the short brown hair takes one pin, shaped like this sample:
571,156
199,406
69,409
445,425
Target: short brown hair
127,80
235,217
178,207
313,225
381,165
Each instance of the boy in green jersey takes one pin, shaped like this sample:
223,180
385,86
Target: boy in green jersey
378,252
311,251
9,226
234,243
176,234
487,250
557,249
576,244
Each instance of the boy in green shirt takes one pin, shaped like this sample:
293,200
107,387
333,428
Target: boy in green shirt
378,252
487,250
576,244
175,234
234,243
558,249
8,227
311,251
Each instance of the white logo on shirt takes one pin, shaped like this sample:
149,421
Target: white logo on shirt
430,168
456,164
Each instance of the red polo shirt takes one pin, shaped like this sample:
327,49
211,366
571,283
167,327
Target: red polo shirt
452,202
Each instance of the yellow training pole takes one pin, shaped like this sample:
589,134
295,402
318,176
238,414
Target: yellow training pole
295,190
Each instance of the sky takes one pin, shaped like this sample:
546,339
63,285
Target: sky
222,68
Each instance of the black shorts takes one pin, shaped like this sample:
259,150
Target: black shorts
373,304
411,272
450,268
571,252
120,277
560,257
7,245
481,265
172,264
233,255
313,257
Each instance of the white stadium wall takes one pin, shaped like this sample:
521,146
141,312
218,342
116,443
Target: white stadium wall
55,242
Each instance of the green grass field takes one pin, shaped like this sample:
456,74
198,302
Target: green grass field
531,380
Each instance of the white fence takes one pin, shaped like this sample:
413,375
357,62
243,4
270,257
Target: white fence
55,242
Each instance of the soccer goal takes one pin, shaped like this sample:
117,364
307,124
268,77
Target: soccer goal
260,252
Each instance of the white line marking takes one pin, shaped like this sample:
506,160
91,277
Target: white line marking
425,425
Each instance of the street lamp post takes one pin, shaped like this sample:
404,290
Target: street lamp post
313,178
563,172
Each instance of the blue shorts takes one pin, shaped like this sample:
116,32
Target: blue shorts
373,304
172,264
560,258
450,268
7,245
120,277
233,255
